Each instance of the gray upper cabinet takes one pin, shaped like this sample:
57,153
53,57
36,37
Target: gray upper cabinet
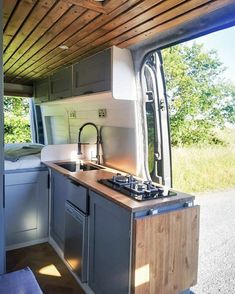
110,71
61,84
93,74
109,246
41,91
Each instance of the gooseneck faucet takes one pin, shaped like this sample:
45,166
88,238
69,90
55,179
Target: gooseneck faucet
97,140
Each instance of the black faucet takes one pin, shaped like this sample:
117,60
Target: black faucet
97,140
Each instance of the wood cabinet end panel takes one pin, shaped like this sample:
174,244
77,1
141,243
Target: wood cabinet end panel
165,252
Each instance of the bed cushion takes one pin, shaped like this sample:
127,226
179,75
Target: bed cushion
20,282
13,152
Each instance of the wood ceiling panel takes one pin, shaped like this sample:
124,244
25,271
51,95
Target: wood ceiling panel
110,5
54,43
32,34
168,15
203,10
181,14
53,35
92,5
102,35
20,13
144,18
83,33
38,12
163,12
52,17
8,7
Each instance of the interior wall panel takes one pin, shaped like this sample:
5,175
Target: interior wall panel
118,114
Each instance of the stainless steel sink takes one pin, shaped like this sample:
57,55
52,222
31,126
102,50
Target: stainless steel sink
71,166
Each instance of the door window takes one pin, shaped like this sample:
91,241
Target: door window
156,120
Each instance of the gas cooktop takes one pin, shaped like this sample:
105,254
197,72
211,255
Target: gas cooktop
136,189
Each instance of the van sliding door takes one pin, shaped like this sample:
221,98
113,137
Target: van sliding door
156,120
2,201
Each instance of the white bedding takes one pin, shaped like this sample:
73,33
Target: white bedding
30,161
25,162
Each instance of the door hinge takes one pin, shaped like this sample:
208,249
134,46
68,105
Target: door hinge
48,181
4,193
162,104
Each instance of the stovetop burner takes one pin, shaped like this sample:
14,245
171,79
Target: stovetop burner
120,179
136,189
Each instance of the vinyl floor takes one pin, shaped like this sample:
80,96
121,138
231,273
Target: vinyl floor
50,272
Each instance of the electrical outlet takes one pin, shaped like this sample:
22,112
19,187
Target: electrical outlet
72,114
102,112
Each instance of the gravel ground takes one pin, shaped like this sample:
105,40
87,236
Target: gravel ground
217,243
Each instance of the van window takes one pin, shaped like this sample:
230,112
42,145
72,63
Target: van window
156,120
17,120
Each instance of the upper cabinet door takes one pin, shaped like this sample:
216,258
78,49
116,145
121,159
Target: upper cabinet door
92,74
61,84
41,91
157,120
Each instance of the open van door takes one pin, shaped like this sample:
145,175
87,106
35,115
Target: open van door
2,232
157,133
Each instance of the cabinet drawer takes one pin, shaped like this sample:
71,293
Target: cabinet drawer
78,196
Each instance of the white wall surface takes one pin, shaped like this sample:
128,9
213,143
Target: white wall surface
64,129
120,146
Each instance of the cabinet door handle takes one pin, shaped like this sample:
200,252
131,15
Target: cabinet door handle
74,183
88,92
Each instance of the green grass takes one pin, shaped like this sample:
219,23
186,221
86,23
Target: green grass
198,169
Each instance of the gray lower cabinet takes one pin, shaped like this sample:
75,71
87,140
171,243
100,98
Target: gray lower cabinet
26,207
61,84
59,189
92,74
41,91
109,246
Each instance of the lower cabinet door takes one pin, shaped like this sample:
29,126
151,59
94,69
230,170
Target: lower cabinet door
109,246
59,189
165,252
26,207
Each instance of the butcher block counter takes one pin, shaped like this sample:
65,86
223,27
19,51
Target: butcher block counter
90,179
144,247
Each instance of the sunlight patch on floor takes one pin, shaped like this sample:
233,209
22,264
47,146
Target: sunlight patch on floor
50,270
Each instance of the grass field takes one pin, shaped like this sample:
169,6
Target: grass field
199,169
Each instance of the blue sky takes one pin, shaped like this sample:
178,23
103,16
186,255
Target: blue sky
224,42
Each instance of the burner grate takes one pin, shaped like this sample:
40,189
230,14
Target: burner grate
138,190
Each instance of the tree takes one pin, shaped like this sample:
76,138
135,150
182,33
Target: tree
199,98
16,120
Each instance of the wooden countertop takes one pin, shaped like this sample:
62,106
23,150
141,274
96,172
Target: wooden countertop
90,179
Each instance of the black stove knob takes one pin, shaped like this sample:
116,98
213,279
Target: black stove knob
131,178
133,186
140,187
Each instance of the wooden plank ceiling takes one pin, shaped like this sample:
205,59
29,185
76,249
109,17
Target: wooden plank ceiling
37,32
